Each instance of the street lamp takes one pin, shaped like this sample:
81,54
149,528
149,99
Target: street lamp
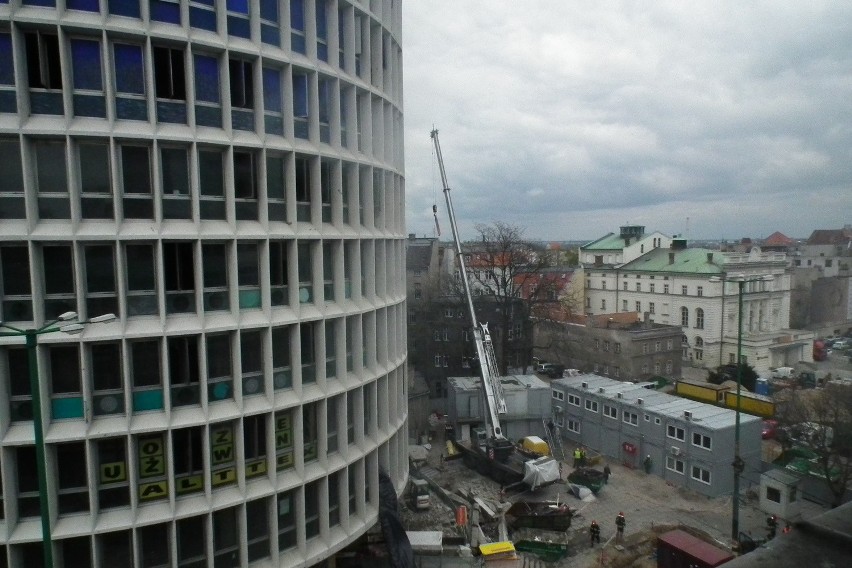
738,463
31,337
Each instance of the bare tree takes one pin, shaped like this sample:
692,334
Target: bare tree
508,269
821,420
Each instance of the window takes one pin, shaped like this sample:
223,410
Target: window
603,284
668,367
303,189
269,29
179,276
12,180
297,26
113,481
606,345
242,93
254,445
322,31
326,190
639,307
202,15
129,73
700,290
624,286
57,267
701,474
257,530
105,367
136,182
597,344
591,405
574,425
208,109
657,346
573,400
558,395
146,375
151,539
223,470
665,288
73,486
324,109
684,316
165,11
51,179
238,18
187,452
15,291
773,494
226,544
675,465
169,79
211,183
610,411
183,369
699,318
699,349
191,541
8,102
301,108
141,280
284,440
308,345
273,101
306,273
220,372
701,441
286,507
310,432
651,307
651,287
630,418
95,184
676,433
669,344
683,290
174,166
248,275
646,348
43,62
638,286
618,347
151,467
251,362
87,78
245,184
603,303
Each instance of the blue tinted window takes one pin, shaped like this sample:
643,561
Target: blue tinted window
47,3
300,95
87,5
165,11
272,90
7,69
129,69
297,15
238,6
206,78
322,24
86,64
269,10
129,8
202,18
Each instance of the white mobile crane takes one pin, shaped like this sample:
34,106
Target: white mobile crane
491,453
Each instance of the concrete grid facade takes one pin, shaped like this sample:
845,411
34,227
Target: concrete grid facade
691,444
227,178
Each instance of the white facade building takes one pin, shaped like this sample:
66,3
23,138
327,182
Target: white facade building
696,289
227,178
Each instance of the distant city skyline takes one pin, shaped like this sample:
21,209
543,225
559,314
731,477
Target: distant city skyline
719,122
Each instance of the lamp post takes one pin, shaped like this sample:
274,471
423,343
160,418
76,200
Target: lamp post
31,342
738,463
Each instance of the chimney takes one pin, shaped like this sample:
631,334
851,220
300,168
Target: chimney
671,258
412,236
709,258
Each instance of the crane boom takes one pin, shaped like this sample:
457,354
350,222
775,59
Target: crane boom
492,389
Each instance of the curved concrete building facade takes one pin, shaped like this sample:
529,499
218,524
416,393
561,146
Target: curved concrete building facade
227,178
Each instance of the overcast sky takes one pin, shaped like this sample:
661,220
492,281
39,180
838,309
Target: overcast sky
714,119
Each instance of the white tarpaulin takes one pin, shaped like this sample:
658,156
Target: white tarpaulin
541,472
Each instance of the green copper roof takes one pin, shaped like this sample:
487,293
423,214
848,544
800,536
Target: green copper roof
691,260
610,241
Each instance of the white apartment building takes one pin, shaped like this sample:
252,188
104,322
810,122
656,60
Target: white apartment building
227,178
696,289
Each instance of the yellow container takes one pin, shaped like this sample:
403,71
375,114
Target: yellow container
535,445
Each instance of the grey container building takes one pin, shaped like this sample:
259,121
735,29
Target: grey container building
691,444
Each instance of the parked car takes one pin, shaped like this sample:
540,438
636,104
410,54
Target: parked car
840,345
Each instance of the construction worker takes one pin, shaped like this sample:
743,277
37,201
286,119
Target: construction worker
620,521
595,533
582,456
771,526
607,473
576,458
